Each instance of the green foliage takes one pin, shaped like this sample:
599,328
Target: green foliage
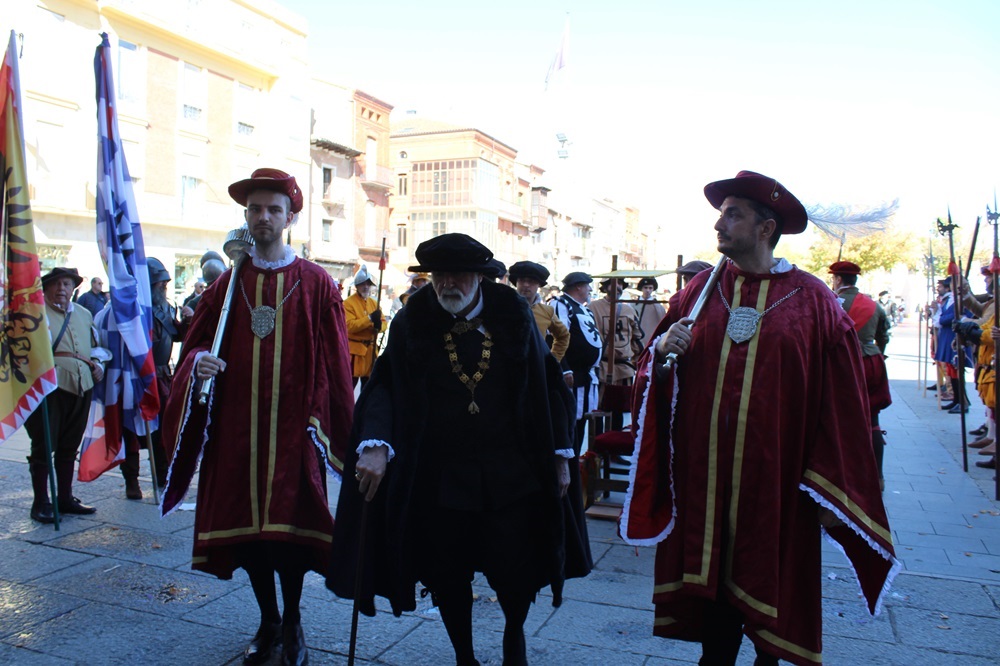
882,250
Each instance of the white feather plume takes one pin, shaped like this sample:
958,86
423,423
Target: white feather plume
843,222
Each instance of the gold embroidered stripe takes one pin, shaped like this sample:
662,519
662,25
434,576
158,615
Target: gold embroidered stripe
668,587
711,485
664,621
738,451
225,534
272,440
298,531
838,494
325,441
255,413
798,650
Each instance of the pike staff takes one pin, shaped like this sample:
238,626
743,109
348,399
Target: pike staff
956,291
993,218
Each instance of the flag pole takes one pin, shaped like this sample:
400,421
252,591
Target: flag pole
48,458
152,466
378,299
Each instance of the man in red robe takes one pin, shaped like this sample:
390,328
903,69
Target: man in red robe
754,438
279,413
872,324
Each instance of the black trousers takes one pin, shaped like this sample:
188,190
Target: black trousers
68,414
505,544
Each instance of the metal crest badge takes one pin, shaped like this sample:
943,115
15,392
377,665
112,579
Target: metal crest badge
262,320
743,323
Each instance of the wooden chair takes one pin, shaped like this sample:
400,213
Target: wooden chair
609,446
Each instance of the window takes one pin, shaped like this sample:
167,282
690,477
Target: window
445,183
328,175
131,86
194,95
244,109
402,185
327,230
190,195
401,235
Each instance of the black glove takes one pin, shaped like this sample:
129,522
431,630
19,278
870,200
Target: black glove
969,330
376,318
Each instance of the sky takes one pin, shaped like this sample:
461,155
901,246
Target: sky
852,103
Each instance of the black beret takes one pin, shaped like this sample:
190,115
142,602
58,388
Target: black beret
576,277
452,253
529,269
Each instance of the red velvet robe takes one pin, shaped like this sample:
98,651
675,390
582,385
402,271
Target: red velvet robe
751,439
282,406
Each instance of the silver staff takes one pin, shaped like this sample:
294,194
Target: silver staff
237,248
706,291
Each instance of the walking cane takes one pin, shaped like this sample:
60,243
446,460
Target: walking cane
237,248
359,571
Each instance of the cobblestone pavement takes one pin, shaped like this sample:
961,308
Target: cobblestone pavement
117,588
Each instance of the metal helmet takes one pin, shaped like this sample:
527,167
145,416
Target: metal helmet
362,276
157,273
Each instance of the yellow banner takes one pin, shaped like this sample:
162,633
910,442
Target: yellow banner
27,371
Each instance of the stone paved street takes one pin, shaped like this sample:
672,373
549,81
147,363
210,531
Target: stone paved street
116,588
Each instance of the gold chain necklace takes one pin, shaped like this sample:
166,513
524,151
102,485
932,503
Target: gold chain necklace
470,383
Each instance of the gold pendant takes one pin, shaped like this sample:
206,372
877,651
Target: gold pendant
262,320
742,324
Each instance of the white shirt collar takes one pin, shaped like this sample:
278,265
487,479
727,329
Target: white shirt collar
273,265
781,265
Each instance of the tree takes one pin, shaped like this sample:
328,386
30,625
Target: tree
881,250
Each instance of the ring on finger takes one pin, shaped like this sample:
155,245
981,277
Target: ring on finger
357,475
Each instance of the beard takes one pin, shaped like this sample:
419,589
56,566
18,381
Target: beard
454,301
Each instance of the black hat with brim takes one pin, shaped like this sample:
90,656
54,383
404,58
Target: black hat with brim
606,284
531,270
60,272
452,253
648,281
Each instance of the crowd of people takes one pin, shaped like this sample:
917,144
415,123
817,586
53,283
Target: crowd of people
755,426
964,336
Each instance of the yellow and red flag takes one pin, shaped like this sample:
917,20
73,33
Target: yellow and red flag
27,370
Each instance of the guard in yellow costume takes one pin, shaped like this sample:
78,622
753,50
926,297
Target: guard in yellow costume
364,323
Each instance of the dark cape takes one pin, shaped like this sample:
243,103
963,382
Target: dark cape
393,407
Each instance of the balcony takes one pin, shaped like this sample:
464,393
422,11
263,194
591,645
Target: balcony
378,176
507,210
337,193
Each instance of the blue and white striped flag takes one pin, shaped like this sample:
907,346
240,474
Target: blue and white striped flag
128,395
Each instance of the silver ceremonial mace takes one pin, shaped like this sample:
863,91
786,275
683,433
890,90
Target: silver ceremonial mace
237,248
706,291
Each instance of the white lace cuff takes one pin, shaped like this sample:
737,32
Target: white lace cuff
568,454
371,443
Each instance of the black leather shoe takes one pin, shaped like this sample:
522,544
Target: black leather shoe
988,464
959,409
75,506
932,387
43,513
264,641
980,431
294,651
